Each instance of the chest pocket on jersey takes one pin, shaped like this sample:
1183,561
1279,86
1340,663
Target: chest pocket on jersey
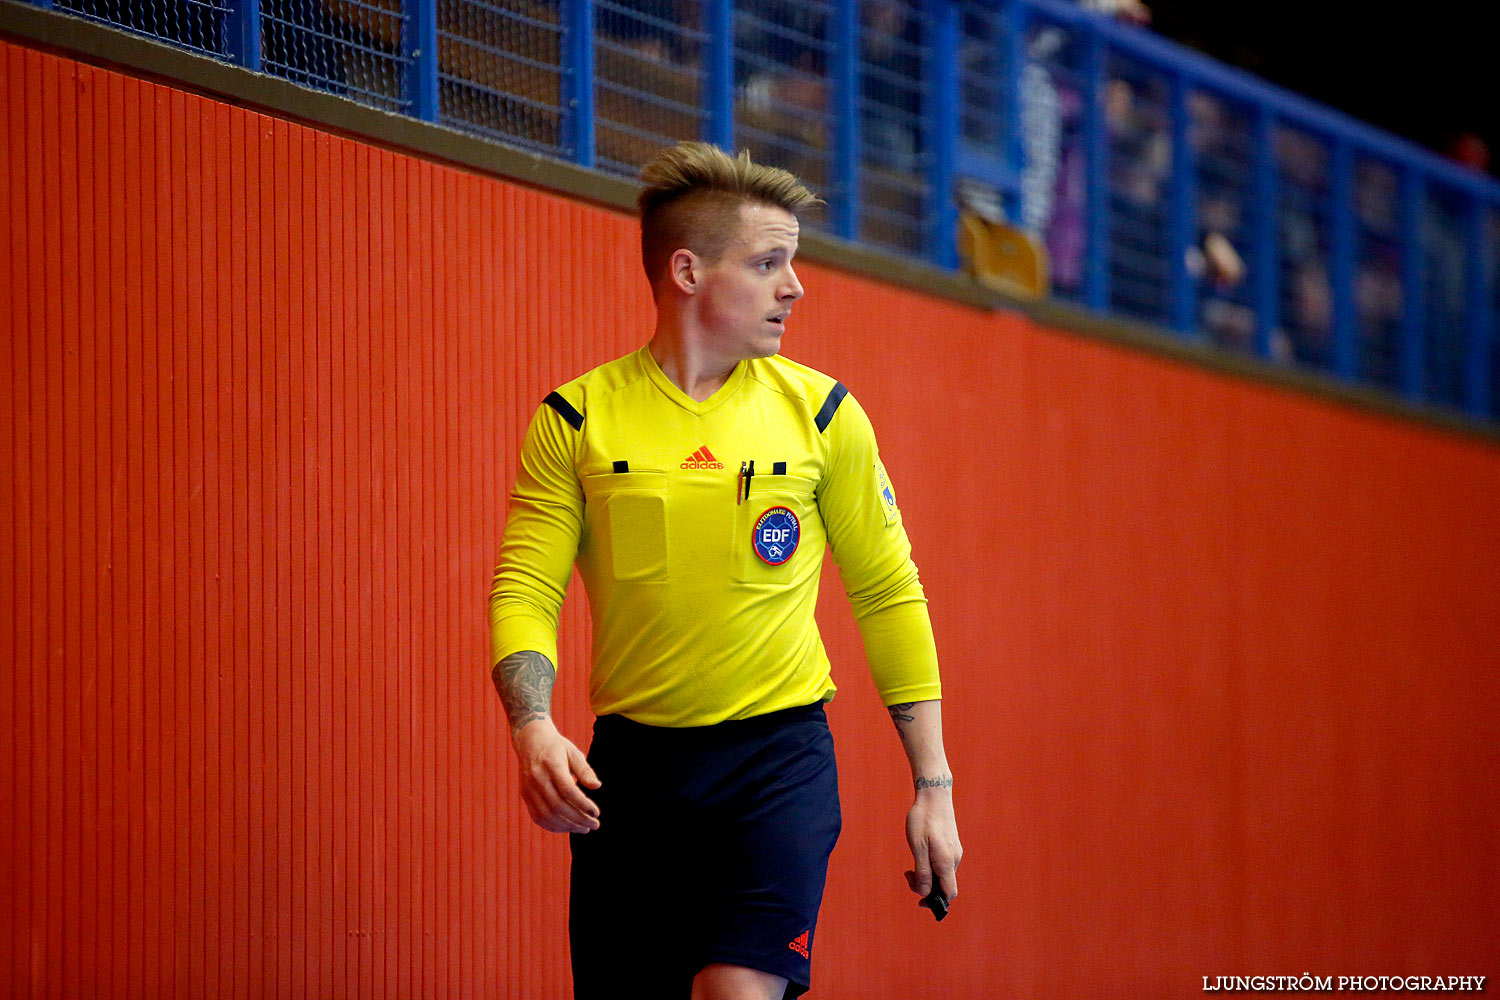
627,514
776,531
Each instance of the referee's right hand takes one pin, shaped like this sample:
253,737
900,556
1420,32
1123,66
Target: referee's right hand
551,769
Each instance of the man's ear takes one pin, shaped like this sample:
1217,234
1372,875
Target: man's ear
683,271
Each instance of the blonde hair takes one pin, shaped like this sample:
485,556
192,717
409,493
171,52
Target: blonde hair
693,196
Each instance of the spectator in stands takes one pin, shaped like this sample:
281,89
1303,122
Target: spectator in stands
1053,178
303,40
1378,306
1131,11
637,24
778,31
1141,151
789,110
1378,295
786,92
1376,195
1215,260
1443,232
890,81
1221,270
1303,159
1312,313
1469,150
1307,314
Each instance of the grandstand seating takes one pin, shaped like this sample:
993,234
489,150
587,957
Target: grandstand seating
1165,188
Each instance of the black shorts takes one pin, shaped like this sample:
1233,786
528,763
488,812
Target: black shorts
712,846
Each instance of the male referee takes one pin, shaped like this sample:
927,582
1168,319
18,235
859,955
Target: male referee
696,482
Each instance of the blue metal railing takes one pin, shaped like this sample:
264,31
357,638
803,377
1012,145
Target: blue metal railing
1165,186
1234,212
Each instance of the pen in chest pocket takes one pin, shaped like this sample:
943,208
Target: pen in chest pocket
742,482
747,473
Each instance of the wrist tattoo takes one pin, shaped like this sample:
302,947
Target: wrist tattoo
943,781
900,714
524,681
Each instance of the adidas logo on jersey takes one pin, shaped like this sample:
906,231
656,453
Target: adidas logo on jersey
702,459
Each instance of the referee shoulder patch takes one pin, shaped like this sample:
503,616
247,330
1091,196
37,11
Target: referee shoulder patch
887,495
565,409
830,406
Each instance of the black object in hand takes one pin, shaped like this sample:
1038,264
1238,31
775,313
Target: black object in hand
936,902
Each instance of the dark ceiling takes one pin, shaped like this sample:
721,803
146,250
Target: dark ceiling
1428,75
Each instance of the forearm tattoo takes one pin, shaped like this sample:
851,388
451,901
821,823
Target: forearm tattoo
942,781
524,681
900,715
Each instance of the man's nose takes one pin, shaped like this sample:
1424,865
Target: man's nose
792,290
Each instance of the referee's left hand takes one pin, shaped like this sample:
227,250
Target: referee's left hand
932,834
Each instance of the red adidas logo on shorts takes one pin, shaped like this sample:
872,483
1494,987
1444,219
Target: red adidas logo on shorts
799,944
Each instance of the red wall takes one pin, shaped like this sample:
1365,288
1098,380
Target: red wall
1220,660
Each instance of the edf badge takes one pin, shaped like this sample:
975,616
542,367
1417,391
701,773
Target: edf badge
775,535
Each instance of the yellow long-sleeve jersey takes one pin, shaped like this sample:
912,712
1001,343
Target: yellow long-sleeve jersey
699,530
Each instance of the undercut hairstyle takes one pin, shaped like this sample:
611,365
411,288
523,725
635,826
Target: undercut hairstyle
693,196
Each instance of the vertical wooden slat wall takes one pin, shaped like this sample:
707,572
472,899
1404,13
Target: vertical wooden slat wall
1220,660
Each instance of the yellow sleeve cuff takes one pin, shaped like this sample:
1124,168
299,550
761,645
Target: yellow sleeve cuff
901,653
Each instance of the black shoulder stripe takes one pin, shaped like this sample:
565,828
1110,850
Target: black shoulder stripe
830,405
569,414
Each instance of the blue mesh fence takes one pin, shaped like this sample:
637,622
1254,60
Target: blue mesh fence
1379,299
895,153
1305,240
1491,243
500,70
987,145
650,73
349,47
982,121
1054,175
1140,167
782,57
200,25
1223,258
1444,237
1183,194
